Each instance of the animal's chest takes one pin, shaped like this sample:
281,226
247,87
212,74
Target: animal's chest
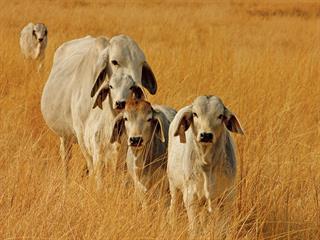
217,181
196,183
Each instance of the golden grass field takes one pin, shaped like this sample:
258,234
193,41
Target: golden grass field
261,57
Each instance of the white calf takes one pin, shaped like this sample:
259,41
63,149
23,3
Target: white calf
201,157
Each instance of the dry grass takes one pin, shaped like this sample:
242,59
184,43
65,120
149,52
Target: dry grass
261,57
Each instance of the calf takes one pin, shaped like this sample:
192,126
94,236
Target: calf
146,127
201,156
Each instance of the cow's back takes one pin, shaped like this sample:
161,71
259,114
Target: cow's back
67,91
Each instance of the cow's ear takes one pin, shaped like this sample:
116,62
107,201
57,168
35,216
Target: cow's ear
100,79
102,47
148,80
118,129
184,121
158,118
101,96
137,93
231,122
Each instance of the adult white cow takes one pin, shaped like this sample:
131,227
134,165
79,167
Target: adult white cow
79,68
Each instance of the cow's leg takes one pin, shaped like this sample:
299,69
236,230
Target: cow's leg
208,187
40,66
86,155
190,205
98,165
114,157
140,188
65,154
173,204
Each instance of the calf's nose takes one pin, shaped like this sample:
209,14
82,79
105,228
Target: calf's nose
120,105
206,137
135,141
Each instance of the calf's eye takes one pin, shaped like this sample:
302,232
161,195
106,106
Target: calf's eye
110,87
221,116
149,119
194,114
125,119
114,62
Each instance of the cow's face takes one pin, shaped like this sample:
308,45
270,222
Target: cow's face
208,118
123,59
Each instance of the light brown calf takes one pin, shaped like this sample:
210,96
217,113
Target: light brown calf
146,128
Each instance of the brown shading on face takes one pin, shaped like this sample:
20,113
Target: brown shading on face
138,120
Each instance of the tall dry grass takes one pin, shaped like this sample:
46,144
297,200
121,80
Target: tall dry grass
261,57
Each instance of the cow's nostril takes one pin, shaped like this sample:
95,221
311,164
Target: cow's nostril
40,39
210,136
206,137
135,141
120,104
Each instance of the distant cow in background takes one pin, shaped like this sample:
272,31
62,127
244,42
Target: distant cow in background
33,41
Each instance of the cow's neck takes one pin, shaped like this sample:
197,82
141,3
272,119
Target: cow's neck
208,158
37,50
142,154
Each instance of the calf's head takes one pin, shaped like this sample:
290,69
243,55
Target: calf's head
120,59
208,118
119,91
140,121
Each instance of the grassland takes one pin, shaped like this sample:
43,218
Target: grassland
261,57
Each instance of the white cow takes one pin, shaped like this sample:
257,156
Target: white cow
33,41
79,68
201,156
146,127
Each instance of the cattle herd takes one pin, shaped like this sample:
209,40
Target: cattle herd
95,96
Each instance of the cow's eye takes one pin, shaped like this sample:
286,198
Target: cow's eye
194,114
115,62
125,119
220,116
149,119
110,87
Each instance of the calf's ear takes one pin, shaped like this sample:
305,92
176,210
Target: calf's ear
231,122
137,93
184,123
101,96
118,129
159,125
